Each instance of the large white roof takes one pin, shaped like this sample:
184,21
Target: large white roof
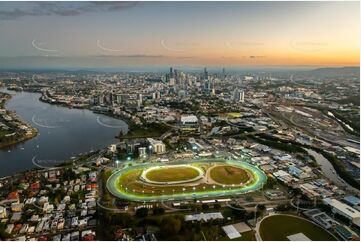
344,208
231,232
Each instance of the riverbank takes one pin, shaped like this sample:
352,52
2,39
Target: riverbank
13,129
294,147
153,130
63,133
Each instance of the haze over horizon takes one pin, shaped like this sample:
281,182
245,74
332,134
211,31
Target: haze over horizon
136,34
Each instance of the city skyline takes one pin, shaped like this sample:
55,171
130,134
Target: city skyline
231,34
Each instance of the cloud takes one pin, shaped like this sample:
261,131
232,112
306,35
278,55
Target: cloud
131,56
145,56
37,9
256,56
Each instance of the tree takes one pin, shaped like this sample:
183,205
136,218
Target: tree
142,212
205,206
261,207
170,225
158,211
271,182
3,234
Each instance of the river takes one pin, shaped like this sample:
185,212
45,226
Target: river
328,170
63,133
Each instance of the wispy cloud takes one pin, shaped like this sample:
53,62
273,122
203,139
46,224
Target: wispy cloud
256,56
36,9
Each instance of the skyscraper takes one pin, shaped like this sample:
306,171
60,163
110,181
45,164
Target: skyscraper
205,73
238,95
171,72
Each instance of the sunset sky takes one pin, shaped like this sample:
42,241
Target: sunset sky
93,34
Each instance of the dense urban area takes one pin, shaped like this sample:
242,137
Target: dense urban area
299,130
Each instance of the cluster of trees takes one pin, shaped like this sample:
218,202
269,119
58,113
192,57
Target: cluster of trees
144,212
271,182
3,235
107,197
145,130
354,122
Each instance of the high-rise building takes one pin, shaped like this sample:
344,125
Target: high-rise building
205,73
119,98
156,146
223,74
238,95
176,77
140,98
171,72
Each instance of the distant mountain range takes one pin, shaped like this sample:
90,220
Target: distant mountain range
335,71
302,71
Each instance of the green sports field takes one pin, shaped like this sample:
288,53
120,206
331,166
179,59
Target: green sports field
226,174
278,227
166,174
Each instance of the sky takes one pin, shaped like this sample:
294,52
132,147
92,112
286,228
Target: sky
237,34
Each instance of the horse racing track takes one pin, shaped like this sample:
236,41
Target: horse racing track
192,179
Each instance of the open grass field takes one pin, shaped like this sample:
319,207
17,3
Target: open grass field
278,227
170,174
228,175
233,115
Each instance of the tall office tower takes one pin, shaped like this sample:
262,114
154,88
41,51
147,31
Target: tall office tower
242,96
119,99
171,72
176,76
140,98
238,96
207,86
171,81
223,74
101,99
205,73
